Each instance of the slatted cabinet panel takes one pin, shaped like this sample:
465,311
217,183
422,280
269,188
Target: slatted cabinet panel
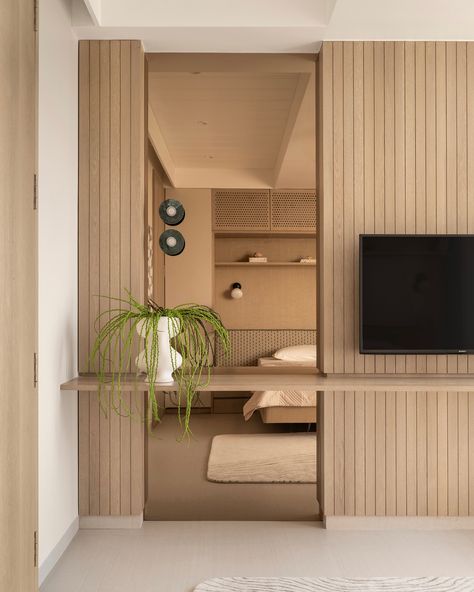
397,155
111,259
396,454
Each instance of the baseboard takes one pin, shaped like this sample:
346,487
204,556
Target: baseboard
110,522
399,522
64,542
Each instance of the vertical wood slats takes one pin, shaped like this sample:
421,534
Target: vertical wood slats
111,259
396,126
415,450
397,146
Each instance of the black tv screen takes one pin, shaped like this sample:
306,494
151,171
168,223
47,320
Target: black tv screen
416,294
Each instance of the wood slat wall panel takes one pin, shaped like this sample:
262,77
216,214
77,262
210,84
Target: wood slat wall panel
397,155
112,258
414,449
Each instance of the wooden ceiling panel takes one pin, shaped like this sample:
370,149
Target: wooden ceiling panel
229,120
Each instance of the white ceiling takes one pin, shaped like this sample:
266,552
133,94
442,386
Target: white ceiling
270,26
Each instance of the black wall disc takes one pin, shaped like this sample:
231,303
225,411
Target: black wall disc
172,212
172,242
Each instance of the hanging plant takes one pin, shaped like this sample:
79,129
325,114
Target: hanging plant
180,338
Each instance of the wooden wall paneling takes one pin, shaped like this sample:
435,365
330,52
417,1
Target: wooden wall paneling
430,156
401,454
410,157
94,265
358,139
369,159
83,271
431,453
115,279
389,153
421,455
380,453
400,163
442,450
348,205
104,255
370,453
397,146
349,453
112,258
461,156
441,202
326,227
138,250
125,252
470,151
338,201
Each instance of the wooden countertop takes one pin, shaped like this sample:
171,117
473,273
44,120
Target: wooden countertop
307,382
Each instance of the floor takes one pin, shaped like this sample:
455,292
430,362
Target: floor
176,468
176,556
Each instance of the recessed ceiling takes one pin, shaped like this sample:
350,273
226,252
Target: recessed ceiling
230,129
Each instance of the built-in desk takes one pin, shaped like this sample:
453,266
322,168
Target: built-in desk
308,382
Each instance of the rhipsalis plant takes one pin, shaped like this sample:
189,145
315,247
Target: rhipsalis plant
131,327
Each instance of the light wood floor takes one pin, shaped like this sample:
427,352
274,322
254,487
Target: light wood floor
176,556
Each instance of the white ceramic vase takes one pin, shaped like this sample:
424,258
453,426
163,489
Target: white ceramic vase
169,359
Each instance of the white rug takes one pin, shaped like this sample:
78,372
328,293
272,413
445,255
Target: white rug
263,458
427,584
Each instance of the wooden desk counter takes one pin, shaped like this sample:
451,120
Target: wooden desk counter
237,381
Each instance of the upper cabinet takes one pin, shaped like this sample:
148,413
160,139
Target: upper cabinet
262,210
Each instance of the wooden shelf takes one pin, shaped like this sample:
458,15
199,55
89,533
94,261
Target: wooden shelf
308,382
269,264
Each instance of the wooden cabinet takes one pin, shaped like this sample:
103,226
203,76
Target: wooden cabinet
264,210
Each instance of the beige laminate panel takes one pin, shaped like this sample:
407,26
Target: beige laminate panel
112,258
246,380
396,131
18,309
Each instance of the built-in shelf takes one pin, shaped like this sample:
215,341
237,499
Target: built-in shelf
269,264
309,382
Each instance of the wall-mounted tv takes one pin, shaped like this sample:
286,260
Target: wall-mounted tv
416,294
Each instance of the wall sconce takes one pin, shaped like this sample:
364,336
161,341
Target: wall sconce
236,291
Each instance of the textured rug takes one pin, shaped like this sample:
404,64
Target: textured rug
426,584
263,458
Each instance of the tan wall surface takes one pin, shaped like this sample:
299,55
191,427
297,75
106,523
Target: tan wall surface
111,258
397,125
189,276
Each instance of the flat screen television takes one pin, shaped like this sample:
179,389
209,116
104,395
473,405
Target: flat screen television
416,294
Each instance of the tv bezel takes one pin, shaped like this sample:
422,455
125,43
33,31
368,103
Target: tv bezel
382,352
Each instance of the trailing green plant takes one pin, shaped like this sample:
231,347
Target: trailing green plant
118,340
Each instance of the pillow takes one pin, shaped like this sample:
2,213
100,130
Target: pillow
297,353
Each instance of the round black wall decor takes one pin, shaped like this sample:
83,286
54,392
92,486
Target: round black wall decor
172,242
172,212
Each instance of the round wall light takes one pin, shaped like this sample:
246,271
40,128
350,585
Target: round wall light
172,212
236,291
172,242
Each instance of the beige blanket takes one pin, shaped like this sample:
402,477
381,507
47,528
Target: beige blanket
262,399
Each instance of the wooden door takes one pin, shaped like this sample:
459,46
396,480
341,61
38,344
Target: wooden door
18,298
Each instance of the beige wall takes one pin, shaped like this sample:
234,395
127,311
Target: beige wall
189,276
111,258
397,128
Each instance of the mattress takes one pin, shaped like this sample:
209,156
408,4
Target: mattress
282,399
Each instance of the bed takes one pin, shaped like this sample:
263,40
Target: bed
283,406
